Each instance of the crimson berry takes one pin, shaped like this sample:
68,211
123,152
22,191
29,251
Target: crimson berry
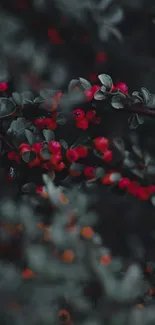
24,147
94,89
132,187
37,147
13,156
82,124
60,166
72,155
54,146
3,86
89,94
39,122
47,122
55,159
124,183
52,125
123,87
151,189
78,114
101,144
82,151
90,115
108,156
142,193
39,189
89,172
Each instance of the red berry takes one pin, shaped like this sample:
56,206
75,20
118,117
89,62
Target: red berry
94,89
39,122
151,189
60,166
37,147
24,147
89,172
122,86
132,187
52,125
101,144
12,155
124,183
89,94
54,146
55,159
82,152
3,86
39,189
82,124
142,194
90,115
72,155
108,156
78,114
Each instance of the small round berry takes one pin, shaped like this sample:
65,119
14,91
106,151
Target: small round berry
123,87
133,187
64,316
60,166
72,155
82,124
89,172
82,151
39,189
87,232
90,115
12,155
101,144
52,125
54,146
56,158
78,114
39,122
94,89
124,182
68,256
89,94
151,189
142,194
23,148
3,86
108,155
37,147
105,259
